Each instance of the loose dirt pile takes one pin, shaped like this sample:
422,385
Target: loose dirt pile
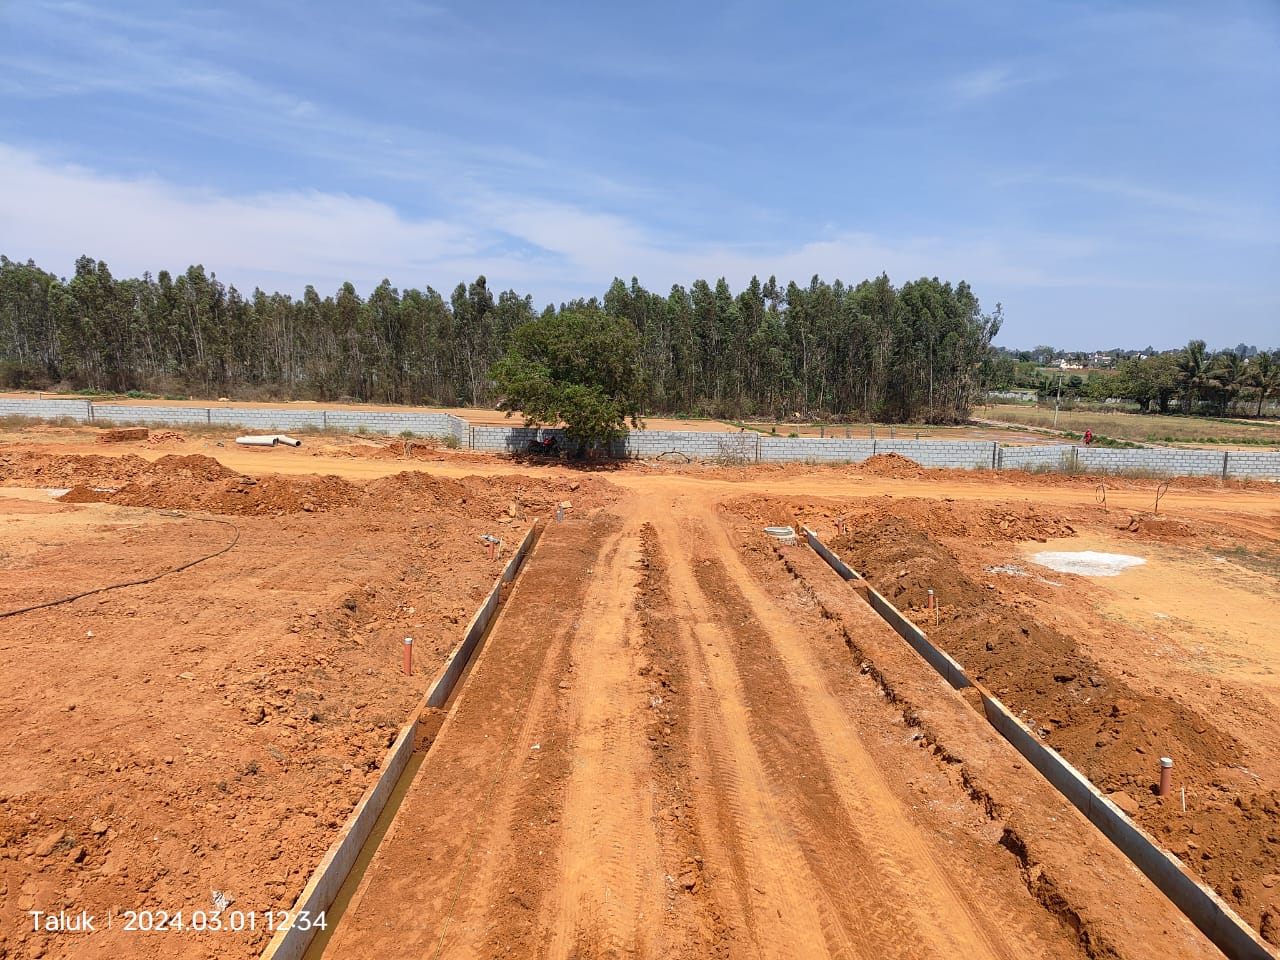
201,483
1008,635
213,729
892,465
270,495
1005,524
165,438
29,469
123,435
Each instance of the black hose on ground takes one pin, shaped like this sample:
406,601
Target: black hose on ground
137,583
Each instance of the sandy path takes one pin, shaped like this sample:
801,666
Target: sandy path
668,771
713,776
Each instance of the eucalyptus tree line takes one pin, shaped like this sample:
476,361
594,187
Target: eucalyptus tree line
920,351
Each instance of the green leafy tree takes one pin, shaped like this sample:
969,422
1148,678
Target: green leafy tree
1153,380
580,368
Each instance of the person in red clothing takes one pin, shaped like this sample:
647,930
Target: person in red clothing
1088,437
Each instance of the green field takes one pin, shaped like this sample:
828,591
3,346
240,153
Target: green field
1139,427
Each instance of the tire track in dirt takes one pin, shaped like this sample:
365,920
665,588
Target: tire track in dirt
695,910
869,898
819,669
872,808
463,867
648,761
610,890
785,912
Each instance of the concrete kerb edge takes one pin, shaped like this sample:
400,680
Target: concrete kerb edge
1204,908
461,655
327,879
939,659
1201,905
833,561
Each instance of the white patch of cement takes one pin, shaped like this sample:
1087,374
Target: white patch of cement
1088,563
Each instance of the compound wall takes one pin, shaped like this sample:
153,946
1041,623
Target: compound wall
727,447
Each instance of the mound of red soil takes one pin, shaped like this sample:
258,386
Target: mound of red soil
192,466
890,465
996,523
165,437
123,435
1020,650
243,496
413,488
1158,528
1248,826
68,470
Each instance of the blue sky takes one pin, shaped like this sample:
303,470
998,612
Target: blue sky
1109,171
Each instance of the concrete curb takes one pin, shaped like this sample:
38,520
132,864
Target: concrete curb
833,561
940,660
1217,921
291,942
1204,908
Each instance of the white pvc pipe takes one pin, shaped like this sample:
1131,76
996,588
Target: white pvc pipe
268,441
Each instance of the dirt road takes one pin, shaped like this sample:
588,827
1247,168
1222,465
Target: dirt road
676,741
655,757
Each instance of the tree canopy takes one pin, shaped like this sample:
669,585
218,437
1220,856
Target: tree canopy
579,368
870,351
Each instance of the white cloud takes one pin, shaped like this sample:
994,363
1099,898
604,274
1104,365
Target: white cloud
983,84
555,251
54,213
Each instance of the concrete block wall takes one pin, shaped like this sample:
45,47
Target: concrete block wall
745,446
1261,464
177,416
77,409
830,450
506,439
1047,457
260,420
948,454
1165,461
263,421
394,422
646,443
697,446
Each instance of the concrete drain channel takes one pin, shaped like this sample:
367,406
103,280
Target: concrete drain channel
336,878
1204,908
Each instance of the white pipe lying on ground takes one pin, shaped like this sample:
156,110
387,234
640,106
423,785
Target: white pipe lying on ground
268,441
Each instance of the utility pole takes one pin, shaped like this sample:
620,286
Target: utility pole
1057,403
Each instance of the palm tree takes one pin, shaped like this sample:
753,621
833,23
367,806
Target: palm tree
1227,377
1193,373
1264,374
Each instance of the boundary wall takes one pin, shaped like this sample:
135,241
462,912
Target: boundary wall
1214,918
726,447
290,943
